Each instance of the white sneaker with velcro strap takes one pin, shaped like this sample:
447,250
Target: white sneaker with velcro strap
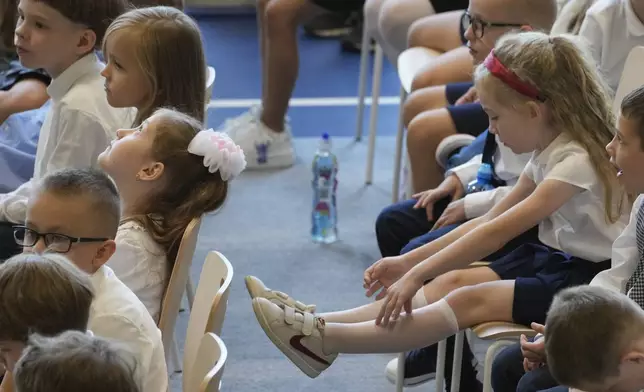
297,334
257,289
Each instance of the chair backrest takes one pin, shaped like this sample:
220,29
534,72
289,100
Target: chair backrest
209,365
210,83
209,308
632,76
177,283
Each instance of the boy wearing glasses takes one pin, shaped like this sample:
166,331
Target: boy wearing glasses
76,212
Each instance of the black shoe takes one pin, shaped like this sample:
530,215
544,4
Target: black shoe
329,25
420,367
352,42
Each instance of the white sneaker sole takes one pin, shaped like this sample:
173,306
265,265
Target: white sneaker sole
285,348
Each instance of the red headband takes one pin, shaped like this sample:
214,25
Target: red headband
496,68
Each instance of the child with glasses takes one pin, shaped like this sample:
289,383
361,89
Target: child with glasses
76,212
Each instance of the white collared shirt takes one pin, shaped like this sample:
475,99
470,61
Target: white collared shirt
118,314
79,126
579,227
625,256
141,264
612,29
507,166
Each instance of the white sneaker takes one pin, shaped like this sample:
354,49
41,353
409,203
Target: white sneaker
257,289
263,147
298,335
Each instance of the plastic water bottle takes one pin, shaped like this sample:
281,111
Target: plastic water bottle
484,179
324,218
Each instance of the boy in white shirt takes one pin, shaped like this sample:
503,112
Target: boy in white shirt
60,36
627,258
612,28
76,213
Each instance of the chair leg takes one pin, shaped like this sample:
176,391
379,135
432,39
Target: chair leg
373,118
190,292
489,359
400,373
440,365
458,359
174,356
400,137
362,84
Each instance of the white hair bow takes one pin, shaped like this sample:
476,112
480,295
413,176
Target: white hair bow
219,152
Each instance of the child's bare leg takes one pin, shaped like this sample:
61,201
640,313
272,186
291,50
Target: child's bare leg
424,134
420,101
431,292
462,308
281,61
450,67
440,32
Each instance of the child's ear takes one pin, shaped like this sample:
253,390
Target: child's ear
104,253
534,110
87,42
151,172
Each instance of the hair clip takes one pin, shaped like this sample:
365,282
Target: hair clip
219,152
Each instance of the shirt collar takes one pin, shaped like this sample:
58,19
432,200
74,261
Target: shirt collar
633,23
60,85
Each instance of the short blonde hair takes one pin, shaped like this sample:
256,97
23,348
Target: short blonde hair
171,55
75,362
584,321
44,294
578,100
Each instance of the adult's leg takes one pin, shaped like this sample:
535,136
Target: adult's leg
396,17
440,32
281,19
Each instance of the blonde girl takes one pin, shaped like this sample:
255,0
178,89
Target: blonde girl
155,59
541,95
168,172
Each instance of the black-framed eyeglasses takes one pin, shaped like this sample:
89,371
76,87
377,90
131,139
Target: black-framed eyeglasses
478,25
54,242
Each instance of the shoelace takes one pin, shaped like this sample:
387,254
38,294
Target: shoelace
308,320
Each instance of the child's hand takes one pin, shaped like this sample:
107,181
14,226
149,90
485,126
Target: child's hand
470,96
451,186
454,213
398,296
383,273
534,351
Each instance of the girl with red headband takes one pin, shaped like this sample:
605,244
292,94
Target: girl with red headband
542,96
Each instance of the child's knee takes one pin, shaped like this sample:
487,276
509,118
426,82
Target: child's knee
281,14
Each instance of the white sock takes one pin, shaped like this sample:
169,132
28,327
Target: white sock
419,300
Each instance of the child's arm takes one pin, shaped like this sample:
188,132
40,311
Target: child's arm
624,256
518,212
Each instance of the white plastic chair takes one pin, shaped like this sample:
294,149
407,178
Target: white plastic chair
632,76
209,364
208,312
177,284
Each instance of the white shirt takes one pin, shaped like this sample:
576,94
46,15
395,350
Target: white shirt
612,29
625,256
117,313
507,166
78,127
141,264
579,227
